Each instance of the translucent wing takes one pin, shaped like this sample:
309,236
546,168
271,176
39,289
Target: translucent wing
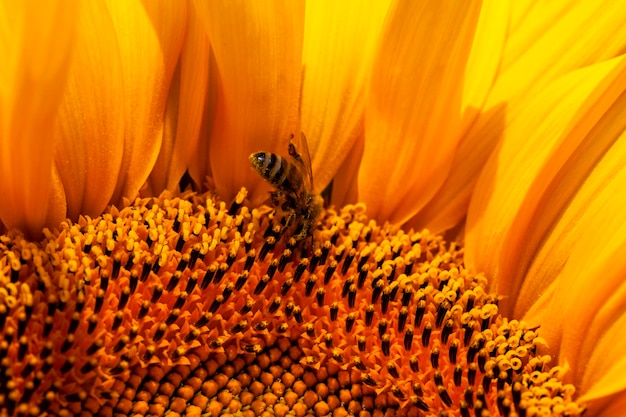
299,151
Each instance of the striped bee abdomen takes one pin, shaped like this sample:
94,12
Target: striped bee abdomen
276,170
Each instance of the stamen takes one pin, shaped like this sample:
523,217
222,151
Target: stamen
193,306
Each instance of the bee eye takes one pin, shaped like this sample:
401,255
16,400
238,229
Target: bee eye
257,158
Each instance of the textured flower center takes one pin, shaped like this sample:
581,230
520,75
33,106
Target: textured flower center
191,306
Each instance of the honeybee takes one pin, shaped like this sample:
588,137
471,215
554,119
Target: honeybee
293,196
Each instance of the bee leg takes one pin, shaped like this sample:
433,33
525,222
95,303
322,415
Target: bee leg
307,238
303,232
292,149
276,197
305,226
290,215
289,209
310,215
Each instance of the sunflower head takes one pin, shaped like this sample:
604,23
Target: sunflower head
189,305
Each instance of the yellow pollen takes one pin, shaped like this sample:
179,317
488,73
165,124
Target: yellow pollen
190,306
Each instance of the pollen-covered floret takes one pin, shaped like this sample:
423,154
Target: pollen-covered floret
187,305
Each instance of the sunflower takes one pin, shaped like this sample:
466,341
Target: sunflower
466,152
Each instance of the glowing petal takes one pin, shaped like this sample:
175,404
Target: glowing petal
545,41
484,59
150,36
259,67
584,308
611,408
36,41
90,135
185,107
590,196
199,163
339,46
344,187
449,205
413,115
530,178
602,380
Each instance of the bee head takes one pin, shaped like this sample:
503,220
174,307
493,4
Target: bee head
257,160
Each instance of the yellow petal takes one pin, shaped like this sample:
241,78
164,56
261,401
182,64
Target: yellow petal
339,45
613,406
548,148
545,41
199,162
36,41
584,308
483,63
259,66
602,378
591,196
413,114
185,107
549,39
150,36
90,134
450,203
345,183
583,313
557,241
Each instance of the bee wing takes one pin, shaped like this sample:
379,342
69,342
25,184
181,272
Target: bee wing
299,151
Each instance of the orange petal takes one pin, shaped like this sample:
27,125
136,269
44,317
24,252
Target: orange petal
345,183
602,378
609,408
483,64
554,228
576,200
545,41
529,181
413,114
583,313
339,46
584,261
449,205
258,52
199,163
150,36
90,134
185,107
36,41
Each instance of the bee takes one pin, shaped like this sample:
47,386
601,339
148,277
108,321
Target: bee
292,178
